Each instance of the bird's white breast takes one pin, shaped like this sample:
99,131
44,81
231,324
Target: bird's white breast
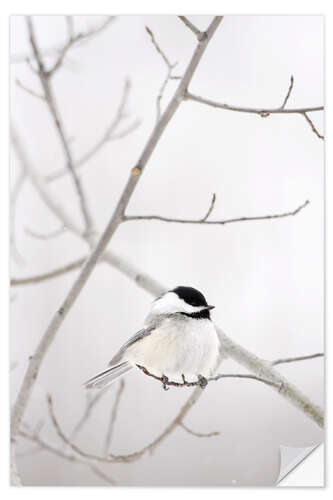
180,345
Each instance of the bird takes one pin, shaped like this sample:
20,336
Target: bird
178,341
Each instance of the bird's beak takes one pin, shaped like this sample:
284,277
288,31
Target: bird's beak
208,308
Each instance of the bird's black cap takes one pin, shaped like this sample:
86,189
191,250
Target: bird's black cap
190,295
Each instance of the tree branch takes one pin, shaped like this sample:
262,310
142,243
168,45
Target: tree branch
215,222
198,434
310,122
288,93
199,34
257,111
76,264
45,236
299,358
167,383
263,112
44,77
28,90
168,77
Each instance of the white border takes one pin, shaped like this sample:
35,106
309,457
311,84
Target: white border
129,7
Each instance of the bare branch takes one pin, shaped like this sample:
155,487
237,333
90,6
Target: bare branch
40,185
44,77
158,48
310,122
113,417
203,382
299,358
191,26
78,40
45,236
28,90
29,280
198,434
257,111
109,135
288,93
75,39
168,77
210,209
215,222
116,219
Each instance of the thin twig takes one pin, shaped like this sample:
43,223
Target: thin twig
169,76
56,50
215,222
45,236
113,417
310,122
191,26
288,93
210,209
29,280
298,358
28,90
198,434
158,48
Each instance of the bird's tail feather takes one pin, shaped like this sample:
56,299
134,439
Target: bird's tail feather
108,376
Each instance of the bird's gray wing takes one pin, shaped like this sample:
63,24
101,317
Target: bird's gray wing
138,336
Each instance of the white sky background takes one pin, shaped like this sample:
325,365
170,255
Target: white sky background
265,278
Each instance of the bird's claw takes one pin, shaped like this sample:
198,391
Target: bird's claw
202,381
165,380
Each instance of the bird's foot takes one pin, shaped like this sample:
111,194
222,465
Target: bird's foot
165,380
184,379
202,381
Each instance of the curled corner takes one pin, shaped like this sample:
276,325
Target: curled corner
291,457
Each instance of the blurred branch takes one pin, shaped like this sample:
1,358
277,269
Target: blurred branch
113,417
220,222
45,80
31,374
76,264
263,112
169,75
45,236
109,135
299,358
28,90
76,41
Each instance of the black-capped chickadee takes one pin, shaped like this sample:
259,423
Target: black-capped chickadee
178,341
